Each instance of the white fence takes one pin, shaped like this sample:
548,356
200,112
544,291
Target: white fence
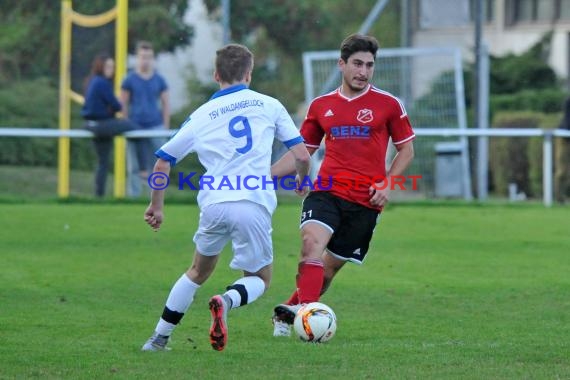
546,135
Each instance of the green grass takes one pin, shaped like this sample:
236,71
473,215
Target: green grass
447,292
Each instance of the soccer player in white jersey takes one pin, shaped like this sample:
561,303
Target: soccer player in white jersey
233,135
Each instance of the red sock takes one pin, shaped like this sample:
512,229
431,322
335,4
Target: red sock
294,299
310,280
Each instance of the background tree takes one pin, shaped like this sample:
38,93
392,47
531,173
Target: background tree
280,31
29,65
29,33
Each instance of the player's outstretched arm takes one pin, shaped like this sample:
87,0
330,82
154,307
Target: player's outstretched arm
380,193
302,159
302,165
286,165
402,159
154,213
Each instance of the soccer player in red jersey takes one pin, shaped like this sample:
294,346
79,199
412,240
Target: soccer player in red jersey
338,218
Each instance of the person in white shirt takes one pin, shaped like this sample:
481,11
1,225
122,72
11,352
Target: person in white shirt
233,135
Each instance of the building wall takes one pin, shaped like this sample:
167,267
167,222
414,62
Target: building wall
500,38
197,59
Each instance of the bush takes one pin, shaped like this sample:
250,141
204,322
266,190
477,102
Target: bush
547,121
29,104
34,104
529,70
508,155
547,100
514,73
518,159
562,169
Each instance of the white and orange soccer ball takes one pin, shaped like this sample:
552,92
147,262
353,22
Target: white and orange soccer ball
315,322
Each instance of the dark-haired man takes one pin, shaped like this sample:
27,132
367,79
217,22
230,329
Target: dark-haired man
338,218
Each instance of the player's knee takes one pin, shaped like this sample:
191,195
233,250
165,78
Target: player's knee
312,246
330,273
197,275
265,274
266,278
267,283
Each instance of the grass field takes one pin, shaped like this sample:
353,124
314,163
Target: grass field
447,292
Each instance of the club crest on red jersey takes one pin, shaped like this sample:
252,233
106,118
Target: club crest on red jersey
365,116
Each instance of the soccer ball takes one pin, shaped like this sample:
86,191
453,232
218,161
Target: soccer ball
315,322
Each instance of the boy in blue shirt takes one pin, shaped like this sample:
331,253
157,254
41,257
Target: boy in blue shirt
145,101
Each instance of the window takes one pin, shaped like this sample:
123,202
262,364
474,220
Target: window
545,10
524,10
565,9
538,10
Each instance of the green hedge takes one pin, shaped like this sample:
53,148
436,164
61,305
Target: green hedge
34,104
562,169
549,100
519,159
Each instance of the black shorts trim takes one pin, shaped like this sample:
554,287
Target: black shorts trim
331,230
342,258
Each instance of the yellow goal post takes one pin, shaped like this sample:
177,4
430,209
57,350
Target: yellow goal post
119,14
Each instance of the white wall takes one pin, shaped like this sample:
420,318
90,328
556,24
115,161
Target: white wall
501,39
513,40
198,57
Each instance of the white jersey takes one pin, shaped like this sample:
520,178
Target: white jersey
233,136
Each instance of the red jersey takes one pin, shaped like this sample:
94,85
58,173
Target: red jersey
356,133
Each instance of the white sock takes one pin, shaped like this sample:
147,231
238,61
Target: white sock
179,300
245,290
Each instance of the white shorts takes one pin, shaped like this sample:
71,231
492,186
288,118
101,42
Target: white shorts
246,223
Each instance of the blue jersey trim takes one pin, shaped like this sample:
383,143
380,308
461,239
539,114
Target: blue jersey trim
165,156
291,143
229,90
